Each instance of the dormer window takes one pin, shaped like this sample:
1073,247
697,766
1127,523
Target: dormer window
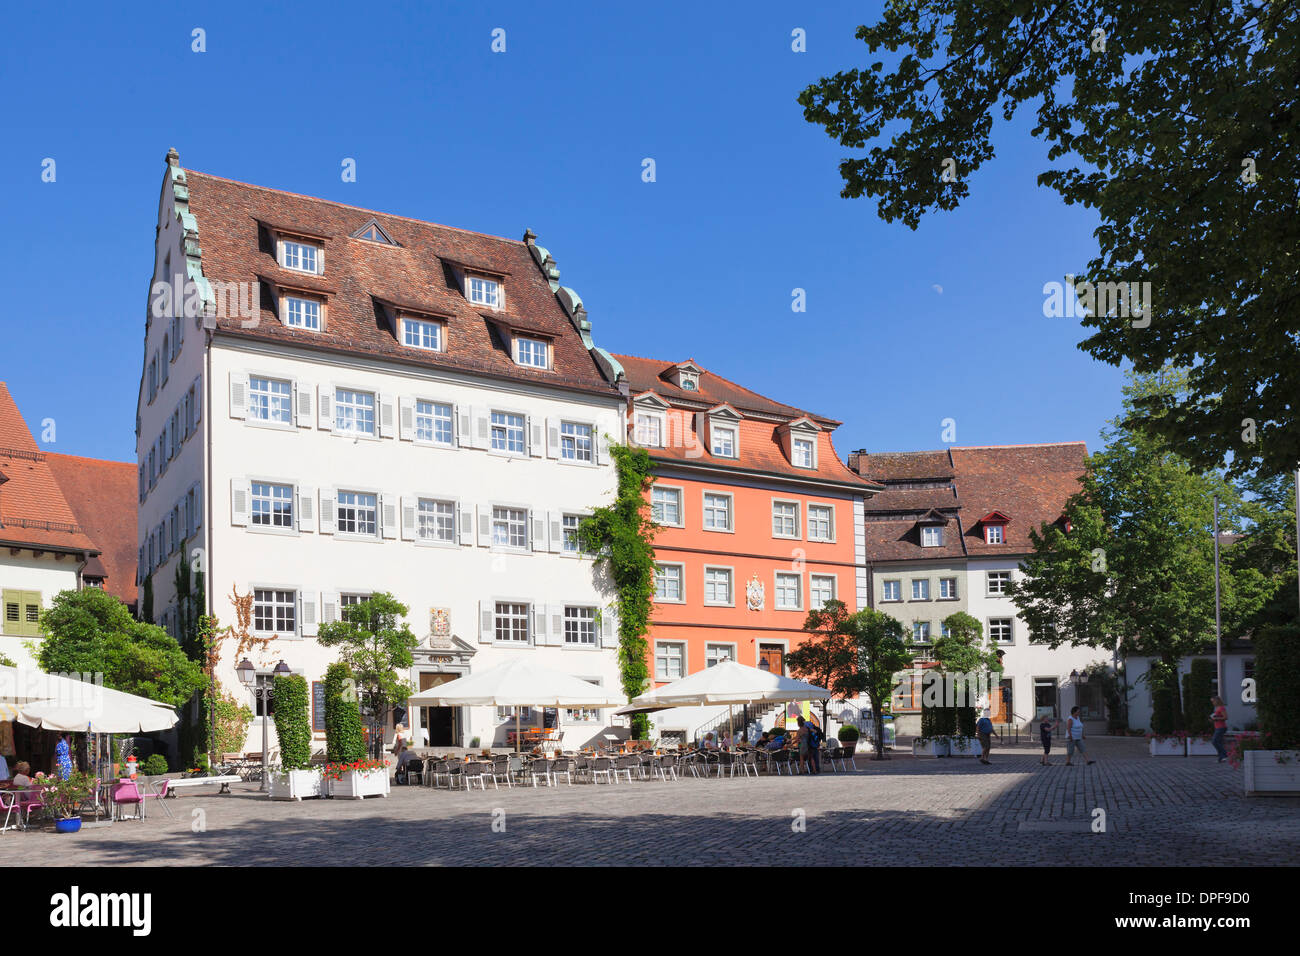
373,232
422,334
994,524
300,256
931,536
723,441
993,534
302,313
685,376
799,441
484,291
649,429
531,353
690,382
803,453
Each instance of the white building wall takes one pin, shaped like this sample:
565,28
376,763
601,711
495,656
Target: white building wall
1241,711
24,572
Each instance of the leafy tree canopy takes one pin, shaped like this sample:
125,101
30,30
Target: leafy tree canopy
375,642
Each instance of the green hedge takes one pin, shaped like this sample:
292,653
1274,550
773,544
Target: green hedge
155,765
1277,682
1198,685
1162,709
292,726
344,735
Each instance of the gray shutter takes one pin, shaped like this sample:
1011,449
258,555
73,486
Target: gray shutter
325,407
486,626
609,627
485,526
326,512
557,624
599,446
387,416
306,508
388,516
307,617
465,426
482,429
556,521
406,418
539,625
537,525
329,607
199,505
302,404
238,395
552,438
239,504
408,517
198,400
536,436
465,522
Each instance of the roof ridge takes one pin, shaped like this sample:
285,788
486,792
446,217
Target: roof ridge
343,205
1040,444
98,461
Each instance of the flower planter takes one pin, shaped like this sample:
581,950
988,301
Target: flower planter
361,783
972,747
1196,747
70,825
934,747
1272,772
1169,747
296,784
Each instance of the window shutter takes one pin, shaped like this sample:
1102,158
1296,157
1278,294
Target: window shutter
142,483
198,400
238,395
408,517
539,625
486,630
609,627
239,501
482,429
536,437
538,525
306,508
557,624
406,418
484,526
326,510
329,607
387,417
307,603
464,420
198,505
465,517
388,516
552,438
302,404
325,407
555,520
599,446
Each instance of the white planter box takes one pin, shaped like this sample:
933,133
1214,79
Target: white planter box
295,784
1264,775
1171,747
1196,747
973,748
361,783
934,747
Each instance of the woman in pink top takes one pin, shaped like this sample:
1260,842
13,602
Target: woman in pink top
1220,718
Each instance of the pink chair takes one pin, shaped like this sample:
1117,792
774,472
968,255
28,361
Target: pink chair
126,791
30,800
160,794
9,803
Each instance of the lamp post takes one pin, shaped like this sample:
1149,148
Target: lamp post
1218,631
262,690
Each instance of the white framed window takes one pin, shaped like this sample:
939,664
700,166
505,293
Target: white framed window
271,505
999,581
649,429
803,452
422,334
670,660
785,519
668,583
722,438
483,291
270,400
921,632
275,612
509,527
947,588
1000,630
931,536
821,588
433,422
576,442
354,411
508,433
920,589
891,590
569,540
300,256
579,626
717,512
666,506
993,534
435,521
821,523
717,586
530,352
511,622
357,513
300,313
717,653
353,598
788,597
945,630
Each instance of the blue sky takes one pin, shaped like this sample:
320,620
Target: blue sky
549,135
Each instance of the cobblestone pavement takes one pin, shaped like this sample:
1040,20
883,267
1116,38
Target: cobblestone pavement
1158,811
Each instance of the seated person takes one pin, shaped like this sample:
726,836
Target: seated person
22,774
4,768
709,743
777,743
763,740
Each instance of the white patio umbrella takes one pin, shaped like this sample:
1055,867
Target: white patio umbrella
51,702
518,682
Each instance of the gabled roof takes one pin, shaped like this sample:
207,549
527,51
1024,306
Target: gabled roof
994,517
103,495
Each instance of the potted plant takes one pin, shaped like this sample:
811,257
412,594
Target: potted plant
959,745
1269,770
1201,745
1168,745
930,746
848,736
63,799
357,779
297,777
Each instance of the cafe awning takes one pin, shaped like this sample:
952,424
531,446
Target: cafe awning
731,683
51,702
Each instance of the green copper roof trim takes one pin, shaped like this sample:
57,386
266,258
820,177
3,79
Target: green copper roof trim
614,363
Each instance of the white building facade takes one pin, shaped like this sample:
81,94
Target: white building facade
408,409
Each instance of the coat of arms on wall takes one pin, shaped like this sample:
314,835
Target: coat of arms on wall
754,594
439,626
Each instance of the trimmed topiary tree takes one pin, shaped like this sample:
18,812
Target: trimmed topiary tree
292,726
1277,681
344,737
1197,688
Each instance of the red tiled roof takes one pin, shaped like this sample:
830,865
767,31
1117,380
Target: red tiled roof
1030,484
33,510
103,495
897,466
359,275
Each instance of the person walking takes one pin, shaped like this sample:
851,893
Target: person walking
984,731
1045,727
1074,737
63,757
1220,718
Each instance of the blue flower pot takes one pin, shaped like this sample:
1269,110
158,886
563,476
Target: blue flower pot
67,826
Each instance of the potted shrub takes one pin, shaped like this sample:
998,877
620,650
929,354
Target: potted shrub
358,778
848,735
296,778
1271,758
63,799
930,746
959,745
1200,745
1168,745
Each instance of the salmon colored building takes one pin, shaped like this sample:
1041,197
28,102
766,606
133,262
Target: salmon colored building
759,519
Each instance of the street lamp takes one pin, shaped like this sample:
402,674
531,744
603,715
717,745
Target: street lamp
262,690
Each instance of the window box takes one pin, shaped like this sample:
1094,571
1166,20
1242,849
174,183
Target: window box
296,784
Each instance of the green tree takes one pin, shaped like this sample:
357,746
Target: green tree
882,650
376,644
344,740
1175,121
91,631
292,726
827,656
967,667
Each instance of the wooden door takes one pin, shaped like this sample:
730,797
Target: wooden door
771,655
